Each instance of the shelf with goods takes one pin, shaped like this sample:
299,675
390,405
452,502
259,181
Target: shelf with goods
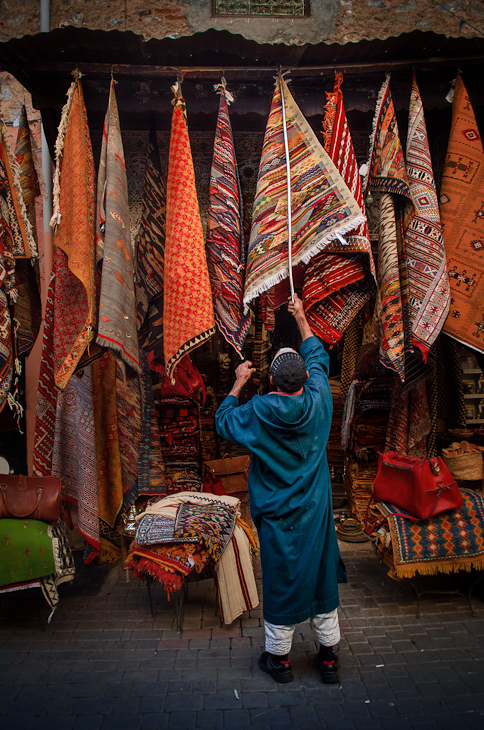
473,385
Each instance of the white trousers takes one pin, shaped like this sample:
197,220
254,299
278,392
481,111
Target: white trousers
325,625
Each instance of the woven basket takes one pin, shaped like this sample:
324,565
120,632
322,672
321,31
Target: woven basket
469,465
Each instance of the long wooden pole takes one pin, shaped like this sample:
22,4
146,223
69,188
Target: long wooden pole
288,180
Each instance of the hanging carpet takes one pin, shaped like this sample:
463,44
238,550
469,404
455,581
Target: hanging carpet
322,206
188,309
409,421
74,455
128,400
45,411
108,456
151,469
387,174
337,284
429,290
462,216
28,307
73,224
117,307
150,253
225,235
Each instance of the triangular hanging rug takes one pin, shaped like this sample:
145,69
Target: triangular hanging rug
322,205
188,309
74,237
337,282
386,174
462,216
117,306
225,236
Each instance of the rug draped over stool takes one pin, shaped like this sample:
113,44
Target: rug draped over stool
74,456
446,543
322,206
386,174
429,289
117,307
108,456
74,238
338,282
28,307
225,235
150,255
188,309
462,216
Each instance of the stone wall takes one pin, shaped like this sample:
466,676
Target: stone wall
336,21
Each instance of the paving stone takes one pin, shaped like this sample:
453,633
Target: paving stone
152,703
176,703
29,707
154,721
235,718
62,722
182,720
270,716
88,722
125,705
286,698
209,719
179,687
121,722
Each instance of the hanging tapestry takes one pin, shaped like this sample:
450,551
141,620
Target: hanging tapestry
74,456
117,306
427,273
322,207
16,241
225,235
45,411
188,309
28,307
386,173
108,456
128,400
462,216
73,224
151,469
324,298
150,247
409,420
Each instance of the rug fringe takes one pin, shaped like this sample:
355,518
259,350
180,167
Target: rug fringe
15,167
446,568
59,149
379,102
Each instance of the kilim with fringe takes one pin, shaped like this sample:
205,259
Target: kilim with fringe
117,307
108,456
74,236
331,307
74,455
323,207
28,307
462,215
387,174
429,286
187,306
150,253
225,235
446,543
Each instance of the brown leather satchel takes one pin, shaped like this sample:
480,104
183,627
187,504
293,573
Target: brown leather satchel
38,498
233,472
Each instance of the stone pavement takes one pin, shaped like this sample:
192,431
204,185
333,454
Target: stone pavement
105,663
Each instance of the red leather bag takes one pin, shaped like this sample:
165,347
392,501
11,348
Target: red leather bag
187,381
38,498
423,487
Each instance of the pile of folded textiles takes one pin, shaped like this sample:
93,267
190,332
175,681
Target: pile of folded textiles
359,478
334,449
369,425
182,534
179,425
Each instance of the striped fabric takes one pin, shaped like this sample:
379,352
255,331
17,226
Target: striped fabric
225,236
322,206
331,276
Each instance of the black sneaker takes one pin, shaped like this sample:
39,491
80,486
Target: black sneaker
329,671
279,670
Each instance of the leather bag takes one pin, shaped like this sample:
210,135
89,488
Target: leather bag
423,487
38,498
233,472
186,382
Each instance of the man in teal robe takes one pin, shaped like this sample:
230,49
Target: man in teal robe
290,498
